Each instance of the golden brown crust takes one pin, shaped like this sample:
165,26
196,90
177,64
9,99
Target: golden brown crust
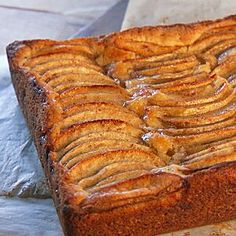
109,171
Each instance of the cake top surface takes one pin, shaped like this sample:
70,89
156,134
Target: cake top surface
130,114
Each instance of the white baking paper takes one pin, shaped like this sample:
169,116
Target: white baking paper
54,19
20,169
163,12
21,173
24,217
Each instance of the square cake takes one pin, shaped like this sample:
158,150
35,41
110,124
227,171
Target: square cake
135,130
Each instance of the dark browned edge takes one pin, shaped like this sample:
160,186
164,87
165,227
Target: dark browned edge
207,196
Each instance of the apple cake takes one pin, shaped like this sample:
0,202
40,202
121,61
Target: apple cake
135,130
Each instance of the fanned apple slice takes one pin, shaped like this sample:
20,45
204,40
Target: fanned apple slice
87,82
199,129
220,30
173,62
213,148
90,165
220,90
192,79
220,47
100,111
183,86
209,41
92,137
201,109
177,147
134,69
209,146
144,48
157,79
201,80
194,121
170,67
50,57
95,93
80,99
105,175
96,106
65,78
79,130
72,157
49,75
227,154
121,69
83,80
116,178
148,185
206,137
65,47
112,89
53,65
143,97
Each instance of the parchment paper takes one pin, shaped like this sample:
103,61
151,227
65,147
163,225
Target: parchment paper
54,19
156,12
19,166
20,172
24,217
